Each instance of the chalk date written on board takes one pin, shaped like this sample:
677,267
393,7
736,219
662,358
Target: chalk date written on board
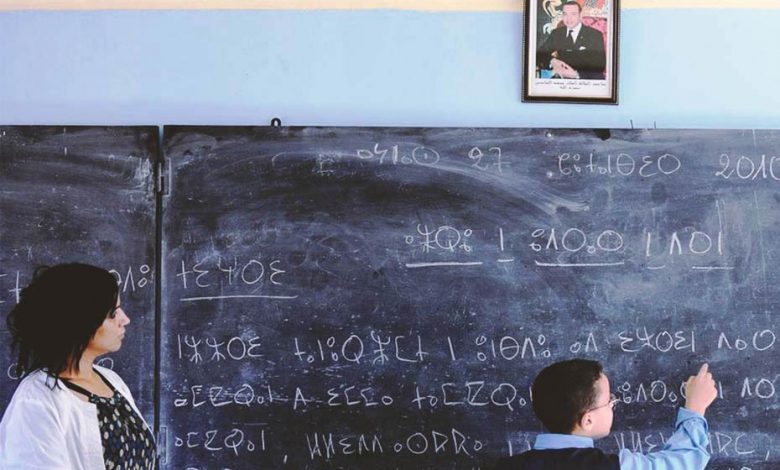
749,168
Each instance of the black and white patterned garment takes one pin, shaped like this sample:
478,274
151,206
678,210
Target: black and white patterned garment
127,443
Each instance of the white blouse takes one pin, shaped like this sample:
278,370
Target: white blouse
45,428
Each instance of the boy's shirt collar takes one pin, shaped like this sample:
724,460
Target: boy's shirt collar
561,441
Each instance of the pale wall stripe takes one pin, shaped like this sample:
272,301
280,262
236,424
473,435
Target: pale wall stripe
420,5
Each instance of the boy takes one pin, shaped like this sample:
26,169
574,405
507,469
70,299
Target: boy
573,401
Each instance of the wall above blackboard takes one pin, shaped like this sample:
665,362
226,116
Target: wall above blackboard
418,5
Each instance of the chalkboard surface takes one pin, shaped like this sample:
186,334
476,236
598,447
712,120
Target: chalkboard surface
383,298
82,194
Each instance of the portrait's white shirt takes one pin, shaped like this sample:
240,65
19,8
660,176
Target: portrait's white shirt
575,31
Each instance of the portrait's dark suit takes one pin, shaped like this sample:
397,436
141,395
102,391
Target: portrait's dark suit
586,55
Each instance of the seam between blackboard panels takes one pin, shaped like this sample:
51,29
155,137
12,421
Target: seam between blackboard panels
158,200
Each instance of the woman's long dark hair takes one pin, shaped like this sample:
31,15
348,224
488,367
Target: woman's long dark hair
58,314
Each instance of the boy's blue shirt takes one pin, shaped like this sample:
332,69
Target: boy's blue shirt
685,449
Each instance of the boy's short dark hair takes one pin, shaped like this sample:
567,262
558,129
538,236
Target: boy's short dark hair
564,391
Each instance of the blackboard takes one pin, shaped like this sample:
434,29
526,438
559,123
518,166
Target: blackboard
82,194
382,298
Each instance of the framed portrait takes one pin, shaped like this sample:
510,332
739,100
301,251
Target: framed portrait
570,51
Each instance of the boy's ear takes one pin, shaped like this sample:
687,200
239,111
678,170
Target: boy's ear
586,422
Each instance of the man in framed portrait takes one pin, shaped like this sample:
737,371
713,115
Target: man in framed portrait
573,50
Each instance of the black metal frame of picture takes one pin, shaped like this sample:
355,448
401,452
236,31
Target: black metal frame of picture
570,51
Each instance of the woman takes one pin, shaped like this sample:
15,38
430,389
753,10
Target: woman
68,413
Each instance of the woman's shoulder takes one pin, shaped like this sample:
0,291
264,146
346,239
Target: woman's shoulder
39,386
39,381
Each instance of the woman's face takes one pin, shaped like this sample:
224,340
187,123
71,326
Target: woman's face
108,338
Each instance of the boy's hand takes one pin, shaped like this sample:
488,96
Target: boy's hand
700,391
